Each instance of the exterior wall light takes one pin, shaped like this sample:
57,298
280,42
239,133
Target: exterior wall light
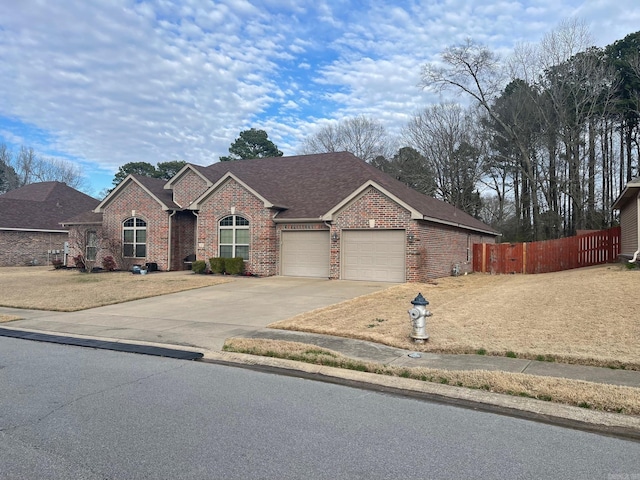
335,237
411,237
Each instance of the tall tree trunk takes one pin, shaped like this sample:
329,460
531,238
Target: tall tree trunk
629,140
591,199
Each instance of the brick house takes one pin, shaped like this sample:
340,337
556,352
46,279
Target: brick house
30,229
628,203
326,215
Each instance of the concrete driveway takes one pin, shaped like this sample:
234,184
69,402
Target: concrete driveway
203,317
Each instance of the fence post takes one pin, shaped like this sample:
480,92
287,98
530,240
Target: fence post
484,258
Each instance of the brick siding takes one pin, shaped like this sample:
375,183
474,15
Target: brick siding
187,188
442,247
131,198
387,214
262,230
30,248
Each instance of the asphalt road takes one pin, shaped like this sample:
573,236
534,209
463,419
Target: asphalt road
78,413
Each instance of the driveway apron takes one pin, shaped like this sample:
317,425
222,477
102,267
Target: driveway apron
203,317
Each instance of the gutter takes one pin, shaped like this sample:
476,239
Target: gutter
459,225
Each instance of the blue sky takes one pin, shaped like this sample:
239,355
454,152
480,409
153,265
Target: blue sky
105,82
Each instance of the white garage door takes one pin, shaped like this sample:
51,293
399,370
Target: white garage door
377,255
305,253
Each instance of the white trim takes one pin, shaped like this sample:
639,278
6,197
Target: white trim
459,225
121,185
32,230
181,172
330,215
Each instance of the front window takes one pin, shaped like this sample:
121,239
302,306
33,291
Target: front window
134,238
234,237
92,246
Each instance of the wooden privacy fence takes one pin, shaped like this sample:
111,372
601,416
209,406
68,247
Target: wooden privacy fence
548,256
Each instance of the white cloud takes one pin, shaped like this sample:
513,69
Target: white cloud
157,80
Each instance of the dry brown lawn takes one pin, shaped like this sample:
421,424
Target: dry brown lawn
43,288
588,316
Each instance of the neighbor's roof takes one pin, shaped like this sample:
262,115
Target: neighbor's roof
310,186
42,206
631,190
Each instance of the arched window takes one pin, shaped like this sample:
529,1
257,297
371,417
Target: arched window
134,238
234,237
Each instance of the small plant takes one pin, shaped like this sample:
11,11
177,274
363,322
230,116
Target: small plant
109,264
380,320
199,266
78,261
511,354
217,265
234,266
584,405
481,351
631,265
57,263
371,325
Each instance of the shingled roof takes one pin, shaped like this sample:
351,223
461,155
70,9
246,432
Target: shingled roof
42,206
310,186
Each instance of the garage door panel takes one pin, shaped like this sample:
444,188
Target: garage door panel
377,255
305,253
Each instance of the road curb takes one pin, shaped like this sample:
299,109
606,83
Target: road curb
605,423
102,344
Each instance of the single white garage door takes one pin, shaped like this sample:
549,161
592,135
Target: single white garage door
305,253
377,255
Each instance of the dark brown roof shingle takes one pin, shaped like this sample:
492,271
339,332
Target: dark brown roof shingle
42,206
309,186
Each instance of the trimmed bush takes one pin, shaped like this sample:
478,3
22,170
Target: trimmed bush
234,266
217,264
78,260
109,264
199,266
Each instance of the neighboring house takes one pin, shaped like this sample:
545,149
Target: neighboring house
327,215
30,229
628,203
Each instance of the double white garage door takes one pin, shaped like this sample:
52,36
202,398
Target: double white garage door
377,255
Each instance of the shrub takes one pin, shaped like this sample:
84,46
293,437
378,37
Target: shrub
109,264
199,266
78,260
57,263
217,264
234,266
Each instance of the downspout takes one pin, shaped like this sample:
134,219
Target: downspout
169,246
637,252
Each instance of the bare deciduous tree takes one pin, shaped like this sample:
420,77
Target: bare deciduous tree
29,167
364,137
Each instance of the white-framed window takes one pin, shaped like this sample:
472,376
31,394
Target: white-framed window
134,238
91,246
233,237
